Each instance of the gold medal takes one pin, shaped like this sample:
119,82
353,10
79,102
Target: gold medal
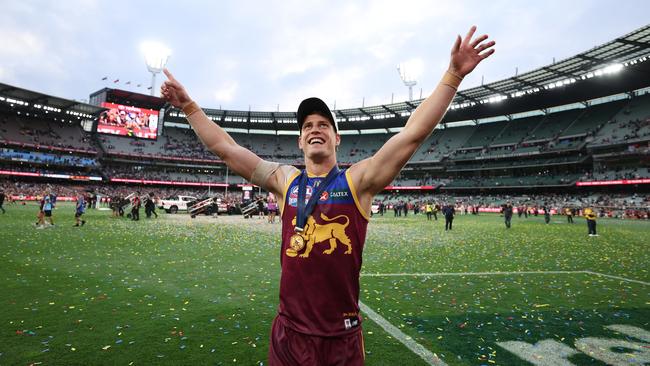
297,242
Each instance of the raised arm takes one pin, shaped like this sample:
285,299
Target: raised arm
371,175
239,159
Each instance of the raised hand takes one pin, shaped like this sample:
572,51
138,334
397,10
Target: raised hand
467,53
173,92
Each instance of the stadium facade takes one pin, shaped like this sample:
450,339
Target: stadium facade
580,125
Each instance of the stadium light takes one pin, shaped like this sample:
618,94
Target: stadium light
155,56
613,68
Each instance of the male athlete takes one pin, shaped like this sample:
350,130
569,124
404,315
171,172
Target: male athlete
507,214
325,211
2,199
80,208
590,215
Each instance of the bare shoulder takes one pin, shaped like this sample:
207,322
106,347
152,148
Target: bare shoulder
357,171
361,182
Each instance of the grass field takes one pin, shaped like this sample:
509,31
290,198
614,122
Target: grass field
174,291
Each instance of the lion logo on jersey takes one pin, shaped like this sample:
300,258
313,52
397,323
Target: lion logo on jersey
331,231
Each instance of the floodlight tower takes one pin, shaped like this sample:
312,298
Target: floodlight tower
155,56
406,81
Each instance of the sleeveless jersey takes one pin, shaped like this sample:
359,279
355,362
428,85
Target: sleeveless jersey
81,204
319,286
48,205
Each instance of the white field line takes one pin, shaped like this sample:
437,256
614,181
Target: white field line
434,274
417,348
437,274
411,344
617,277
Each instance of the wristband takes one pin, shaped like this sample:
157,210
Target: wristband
451,79
190,108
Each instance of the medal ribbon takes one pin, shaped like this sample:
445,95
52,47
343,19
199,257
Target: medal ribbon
304,210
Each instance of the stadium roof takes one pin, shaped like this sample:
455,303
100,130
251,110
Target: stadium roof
632,46
14,96
614,67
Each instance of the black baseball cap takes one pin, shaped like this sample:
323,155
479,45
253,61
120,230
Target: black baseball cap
314,105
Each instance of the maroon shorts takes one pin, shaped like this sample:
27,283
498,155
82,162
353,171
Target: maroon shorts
289,348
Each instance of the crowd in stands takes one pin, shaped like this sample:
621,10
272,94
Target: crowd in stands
44,169
600,174
502,164
175,143
30,131
514,181
19,188
77,167
154,172
38,158
567,130
31,144
609,204
631,123
625,131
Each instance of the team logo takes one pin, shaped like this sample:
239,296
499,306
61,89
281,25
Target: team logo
332,232
293,195
333,195
339,194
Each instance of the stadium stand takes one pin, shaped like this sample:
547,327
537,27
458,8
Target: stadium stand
517,130
629,123
592,119
484,134
39,158
553,125
442,142
494,143
23,130
544,138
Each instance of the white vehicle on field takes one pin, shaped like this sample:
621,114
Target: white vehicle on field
175,203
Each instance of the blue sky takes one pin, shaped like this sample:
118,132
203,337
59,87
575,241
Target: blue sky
267,55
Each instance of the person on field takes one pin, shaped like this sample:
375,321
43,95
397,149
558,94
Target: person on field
590,215
428,209
547,214
136,203
448,211
507,214
273,209
150,205
46,206
569,214
325,212
80,208
2,199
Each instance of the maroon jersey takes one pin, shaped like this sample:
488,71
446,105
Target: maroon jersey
319,286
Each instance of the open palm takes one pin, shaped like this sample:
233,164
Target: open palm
468,52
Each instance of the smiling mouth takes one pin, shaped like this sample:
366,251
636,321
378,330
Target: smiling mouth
316,140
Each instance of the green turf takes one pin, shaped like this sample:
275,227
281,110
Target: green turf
168,292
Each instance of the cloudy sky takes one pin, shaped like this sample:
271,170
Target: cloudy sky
269,55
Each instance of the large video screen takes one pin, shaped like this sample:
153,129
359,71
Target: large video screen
124,120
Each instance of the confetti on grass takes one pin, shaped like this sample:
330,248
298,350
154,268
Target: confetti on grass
129,286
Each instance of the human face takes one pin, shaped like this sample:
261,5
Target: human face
317,137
